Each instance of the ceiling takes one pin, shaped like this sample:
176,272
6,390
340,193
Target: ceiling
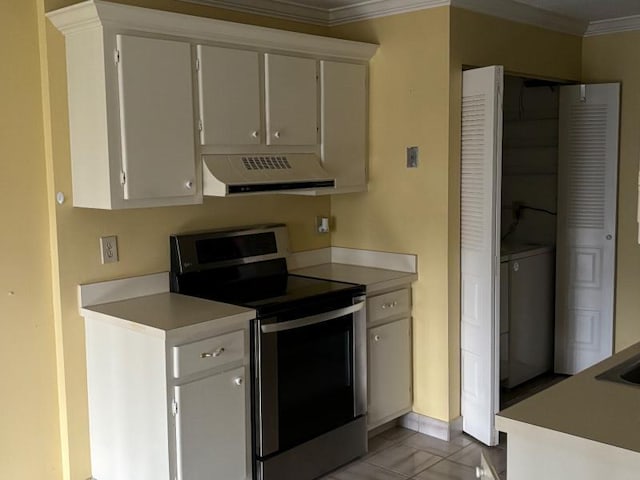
572,16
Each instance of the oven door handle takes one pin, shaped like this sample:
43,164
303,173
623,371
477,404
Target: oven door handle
311,320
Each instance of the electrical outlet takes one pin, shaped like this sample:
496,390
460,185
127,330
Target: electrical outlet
323,225
109,249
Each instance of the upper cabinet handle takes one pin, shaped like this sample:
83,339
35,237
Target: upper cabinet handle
276,134
189,184
255,134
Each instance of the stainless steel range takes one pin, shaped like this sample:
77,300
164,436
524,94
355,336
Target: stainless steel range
308,348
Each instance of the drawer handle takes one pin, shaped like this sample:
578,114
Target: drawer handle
393,304
215,353
238,381
377,338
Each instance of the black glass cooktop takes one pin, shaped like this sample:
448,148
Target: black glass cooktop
283,291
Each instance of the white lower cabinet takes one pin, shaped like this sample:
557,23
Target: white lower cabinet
390,358
168,404
211,442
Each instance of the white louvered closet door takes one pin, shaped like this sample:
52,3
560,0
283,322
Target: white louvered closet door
481,167
586,250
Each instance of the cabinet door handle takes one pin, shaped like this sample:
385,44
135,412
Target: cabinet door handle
189,184
215,353
255,134
376,338
276,134
389,305
238,381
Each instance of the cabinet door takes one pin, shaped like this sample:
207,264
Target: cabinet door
156,117
211,428
291,88
344,122
389,371
229,87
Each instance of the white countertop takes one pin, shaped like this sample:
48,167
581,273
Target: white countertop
582,406
375,279
166,312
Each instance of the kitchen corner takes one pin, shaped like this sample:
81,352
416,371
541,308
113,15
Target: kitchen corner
179,355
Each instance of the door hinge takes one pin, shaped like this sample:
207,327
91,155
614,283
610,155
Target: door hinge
116,56
197,64
583,93
123,177
174,407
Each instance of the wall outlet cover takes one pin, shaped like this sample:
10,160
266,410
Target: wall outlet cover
109,249
323,224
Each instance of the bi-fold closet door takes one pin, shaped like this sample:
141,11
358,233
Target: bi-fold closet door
588,156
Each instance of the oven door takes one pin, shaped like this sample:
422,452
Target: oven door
311,373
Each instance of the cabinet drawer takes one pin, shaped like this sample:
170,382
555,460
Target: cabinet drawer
208,353
389,305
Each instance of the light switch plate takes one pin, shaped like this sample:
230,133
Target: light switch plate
109,249
412,157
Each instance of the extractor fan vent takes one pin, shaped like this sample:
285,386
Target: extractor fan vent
266,163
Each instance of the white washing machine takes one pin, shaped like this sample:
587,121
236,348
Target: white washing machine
527,274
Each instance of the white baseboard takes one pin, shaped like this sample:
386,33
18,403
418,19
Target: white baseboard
432,426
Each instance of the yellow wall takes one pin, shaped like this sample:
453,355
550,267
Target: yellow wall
406,210
415,100
29,441
612,58
142,241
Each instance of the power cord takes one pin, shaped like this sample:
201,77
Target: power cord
517,209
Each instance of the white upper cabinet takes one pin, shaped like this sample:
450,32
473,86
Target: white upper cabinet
291,91
229,90
156,118
150,92
344,123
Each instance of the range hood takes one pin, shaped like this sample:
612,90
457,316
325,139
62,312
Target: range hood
225,175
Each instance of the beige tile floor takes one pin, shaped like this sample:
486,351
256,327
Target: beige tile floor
401,454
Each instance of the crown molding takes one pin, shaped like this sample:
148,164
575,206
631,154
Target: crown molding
366,9
379,8
120,17
522,13
273,8
613,25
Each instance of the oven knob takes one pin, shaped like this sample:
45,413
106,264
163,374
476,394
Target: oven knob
238,381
